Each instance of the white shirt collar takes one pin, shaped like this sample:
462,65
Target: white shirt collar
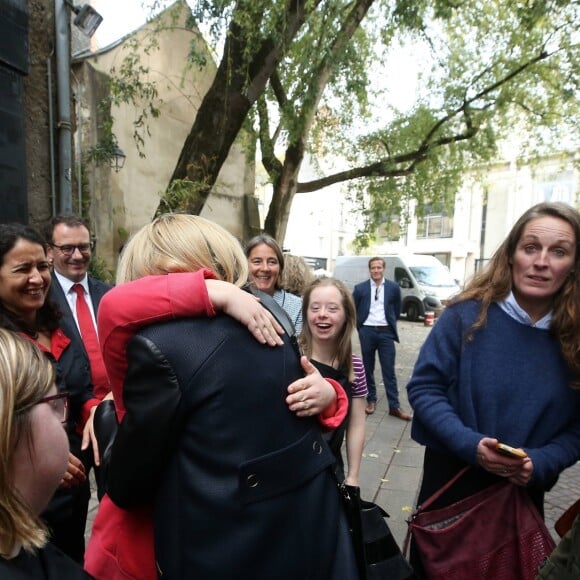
67,284
513,309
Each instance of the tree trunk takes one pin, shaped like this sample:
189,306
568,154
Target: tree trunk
283,194
236,87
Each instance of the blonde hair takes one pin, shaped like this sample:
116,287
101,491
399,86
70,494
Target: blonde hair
494,283
26,376
297,274
182,243
343,355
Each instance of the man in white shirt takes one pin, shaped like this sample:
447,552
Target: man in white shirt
70,252
378,305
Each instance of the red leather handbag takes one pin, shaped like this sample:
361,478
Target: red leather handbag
494,534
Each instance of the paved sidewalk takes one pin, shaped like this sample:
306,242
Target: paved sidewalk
392,462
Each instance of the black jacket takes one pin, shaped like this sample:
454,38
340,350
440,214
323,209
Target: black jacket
49,563
241,486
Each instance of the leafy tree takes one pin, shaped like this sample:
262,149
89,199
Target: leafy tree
309,75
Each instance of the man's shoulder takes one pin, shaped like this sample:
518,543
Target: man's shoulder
391,284
362,285
99,284
55,291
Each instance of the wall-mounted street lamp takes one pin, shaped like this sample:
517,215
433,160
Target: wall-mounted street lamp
117,160
87,19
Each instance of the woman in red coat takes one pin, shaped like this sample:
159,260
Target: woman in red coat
122,541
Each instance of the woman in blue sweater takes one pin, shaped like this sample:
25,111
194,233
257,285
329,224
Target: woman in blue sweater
500,364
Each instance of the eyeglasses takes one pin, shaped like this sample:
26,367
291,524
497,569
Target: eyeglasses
377,292
59,404
69,249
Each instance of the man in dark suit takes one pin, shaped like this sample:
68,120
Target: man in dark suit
70,252
378,305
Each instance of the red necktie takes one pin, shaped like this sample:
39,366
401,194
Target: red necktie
91,341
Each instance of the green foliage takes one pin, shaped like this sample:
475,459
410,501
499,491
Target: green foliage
179,196
123,234
500,70
104,150
130,85
491,71
133,83
98,269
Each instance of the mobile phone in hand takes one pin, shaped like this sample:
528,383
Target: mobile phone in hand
510,451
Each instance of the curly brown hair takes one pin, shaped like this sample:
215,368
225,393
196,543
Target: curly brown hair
297,274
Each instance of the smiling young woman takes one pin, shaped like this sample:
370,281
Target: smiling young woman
326,340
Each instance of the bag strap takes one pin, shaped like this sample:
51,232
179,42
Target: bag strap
430,500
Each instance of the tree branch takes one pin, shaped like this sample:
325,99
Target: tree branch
269,160
388,167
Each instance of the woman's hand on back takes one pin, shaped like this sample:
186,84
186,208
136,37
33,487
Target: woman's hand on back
245,308
311,394
75,473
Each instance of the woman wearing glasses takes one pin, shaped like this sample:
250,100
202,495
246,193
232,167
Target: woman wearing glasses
32,414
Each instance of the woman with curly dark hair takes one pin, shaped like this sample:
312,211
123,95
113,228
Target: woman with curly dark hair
24,283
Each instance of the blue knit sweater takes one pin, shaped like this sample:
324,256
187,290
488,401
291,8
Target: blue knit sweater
509,382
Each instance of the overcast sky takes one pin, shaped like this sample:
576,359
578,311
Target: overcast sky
119,18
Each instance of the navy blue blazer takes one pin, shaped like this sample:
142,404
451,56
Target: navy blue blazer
74,365
392,301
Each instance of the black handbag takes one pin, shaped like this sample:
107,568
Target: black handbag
105,427
377,553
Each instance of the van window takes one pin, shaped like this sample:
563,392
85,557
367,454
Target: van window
400,273
433,276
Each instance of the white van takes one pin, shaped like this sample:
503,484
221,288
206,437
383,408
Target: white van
426,284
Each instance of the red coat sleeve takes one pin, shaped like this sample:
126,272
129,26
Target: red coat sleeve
127,308
334,414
